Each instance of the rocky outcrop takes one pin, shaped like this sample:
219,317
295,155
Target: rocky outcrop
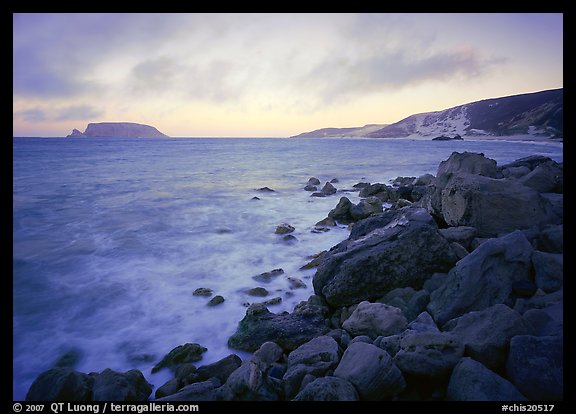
118,130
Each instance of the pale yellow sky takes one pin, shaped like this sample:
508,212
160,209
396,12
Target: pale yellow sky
270,75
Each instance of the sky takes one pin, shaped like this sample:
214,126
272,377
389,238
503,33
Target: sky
270,75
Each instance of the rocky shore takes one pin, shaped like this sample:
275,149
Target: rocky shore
449,287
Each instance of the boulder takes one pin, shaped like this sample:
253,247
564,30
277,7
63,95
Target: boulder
328,389
379,190
472,381
460,234
199,391
548,321
428,355
551,239
220,370
216,300
536,366
310,187
267,277
403,253
375,319
545,178
486,334
313,181
315,357
372,372
251,381
483,278
549,270
180,355
289,331
365,208
115,386
328,189
203,292
61,384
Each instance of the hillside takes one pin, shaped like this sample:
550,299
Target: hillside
537,115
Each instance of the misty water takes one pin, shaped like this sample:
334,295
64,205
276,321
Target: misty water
112,236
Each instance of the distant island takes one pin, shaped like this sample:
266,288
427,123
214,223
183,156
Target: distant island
533,116
118,129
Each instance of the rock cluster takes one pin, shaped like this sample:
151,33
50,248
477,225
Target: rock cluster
456,295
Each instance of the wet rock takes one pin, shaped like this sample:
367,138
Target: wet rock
257,291
535,365
199,391
267,277
182,354
310,187
483,278
328,389
220,370
202,291
314,181
115,386
61,384
284,228
403,253
289,331
372,372
328,189
295,283
375,319
341,212
216,300
327,222
472,381
252,380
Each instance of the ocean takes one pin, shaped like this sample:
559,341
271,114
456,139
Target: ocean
111,237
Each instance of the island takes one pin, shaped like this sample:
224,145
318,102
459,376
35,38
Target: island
119,130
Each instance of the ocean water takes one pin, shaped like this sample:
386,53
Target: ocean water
112,236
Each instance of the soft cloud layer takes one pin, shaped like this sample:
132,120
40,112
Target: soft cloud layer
264,71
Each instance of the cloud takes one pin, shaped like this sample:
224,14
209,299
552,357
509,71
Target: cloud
63,114
339,78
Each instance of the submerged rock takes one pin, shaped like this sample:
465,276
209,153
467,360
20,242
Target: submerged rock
284,228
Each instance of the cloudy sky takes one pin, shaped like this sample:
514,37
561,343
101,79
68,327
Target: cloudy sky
270,75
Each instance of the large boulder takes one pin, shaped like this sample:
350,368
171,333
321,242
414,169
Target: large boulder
483,278
428,355
468,191
328,389
315,357
472,381
375,319
61,384
405,252
289,330
549,270
536,366
486,334
372,371
110,385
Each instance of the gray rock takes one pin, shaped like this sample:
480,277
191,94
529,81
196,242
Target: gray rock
483,278
540,300
390,344
546,322
328,389
425,179
313,181
251,381
472,381
315,357
310,187
267,277
296,283
257,291
422,323
486,334
493,206
536,366
216,300
284,228
434,282
365,208
515,172
328,189
203,292
530,162
168,388
403,253
375,319
199,391
460,234
115,386
545,178
361,338
470,163
341,212
549,270
220,370
61,384
180,355
372,372
551,239
289,331
428,355
375,189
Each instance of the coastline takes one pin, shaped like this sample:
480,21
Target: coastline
306,353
